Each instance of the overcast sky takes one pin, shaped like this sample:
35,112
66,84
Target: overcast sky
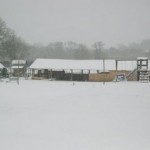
84,21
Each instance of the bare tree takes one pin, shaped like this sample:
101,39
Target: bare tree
98,49
11,46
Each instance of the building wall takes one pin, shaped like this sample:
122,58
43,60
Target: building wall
15,72
59,75
95,77
107,77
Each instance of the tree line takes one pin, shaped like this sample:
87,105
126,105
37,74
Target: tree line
14,47
11,46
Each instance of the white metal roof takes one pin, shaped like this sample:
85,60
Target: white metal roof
14,62
73,64
1,66
63,64
142,58
16,67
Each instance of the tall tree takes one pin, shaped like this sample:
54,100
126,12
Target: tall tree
98,49
11,46
3,35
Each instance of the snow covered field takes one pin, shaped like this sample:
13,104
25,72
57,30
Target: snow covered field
52,115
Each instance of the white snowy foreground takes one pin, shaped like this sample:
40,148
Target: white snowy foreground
52,115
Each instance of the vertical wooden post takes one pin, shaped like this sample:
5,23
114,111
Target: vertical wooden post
116,65
18,74
51,74
116,70
71,74
89,75
82,75
147,64
33,72
104,71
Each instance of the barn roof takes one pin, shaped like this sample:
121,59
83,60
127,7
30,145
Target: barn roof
1,66
15,62
72,64
142,58
59,64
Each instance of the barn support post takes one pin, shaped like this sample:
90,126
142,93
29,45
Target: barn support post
47,74
103,71
89,75
18,74
32,70
116,65
51,74
116,70
82,75
71,75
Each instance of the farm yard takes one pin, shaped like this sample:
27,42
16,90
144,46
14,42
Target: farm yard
67,115
74,75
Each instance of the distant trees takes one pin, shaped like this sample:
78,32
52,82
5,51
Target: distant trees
130,52
11,46
55,49
73,50
77,51
3,36
98,46
60,50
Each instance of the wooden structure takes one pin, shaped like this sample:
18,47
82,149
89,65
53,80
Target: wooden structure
53,74
142,69
18,68
132,76
128,68
82,70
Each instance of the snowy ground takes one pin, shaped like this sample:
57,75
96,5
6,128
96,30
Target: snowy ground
51,115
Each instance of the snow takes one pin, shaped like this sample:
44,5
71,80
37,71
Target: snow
1,66
15,62
53,115
142,58
16,67
72,64
63,64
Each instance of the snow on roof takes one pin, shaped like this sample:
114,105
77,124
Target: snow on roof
14,62
1,66
142,58
16,67
64,64
127,65
72,64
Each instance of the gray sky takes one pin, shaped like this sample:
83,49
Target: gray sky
84,21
